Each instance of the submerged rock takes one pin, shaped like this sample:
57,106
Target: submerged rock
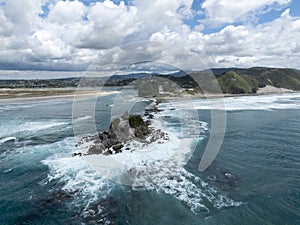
229,175
212,177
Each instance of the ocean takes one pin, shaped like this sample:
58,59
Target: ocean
254,179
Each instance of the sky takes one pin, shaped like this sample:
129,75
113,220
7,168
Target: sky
71,35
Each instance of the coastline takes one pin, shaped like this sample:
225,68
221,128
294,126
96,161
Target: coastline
74,181
23,94
268,90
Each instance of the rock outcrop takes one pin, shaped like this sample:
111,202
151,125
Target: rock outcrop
122,130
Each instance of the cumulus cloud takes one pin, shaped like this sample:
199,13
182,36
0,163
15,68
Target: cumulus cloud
108,24
66,12
271,44
220,12
70,35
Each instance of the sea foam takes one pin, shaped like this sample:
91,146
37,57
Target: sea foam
261,102
29,127
75,176
8,139
160,165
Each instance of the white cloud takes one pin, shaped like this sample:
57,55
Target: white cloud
108,24
73,34
70,27
220,12
49,47
272,44
160,14
5,25
66,12
22,14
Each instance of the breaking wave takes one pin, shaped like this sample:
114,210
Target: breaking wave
159,166
8,139
261,102
18,127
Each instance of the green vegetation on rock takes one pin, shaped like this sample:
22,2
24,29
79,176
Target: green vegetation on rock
141,128
136,121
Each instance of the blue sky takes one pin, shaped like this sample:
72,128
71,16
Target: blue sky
69,35
271,13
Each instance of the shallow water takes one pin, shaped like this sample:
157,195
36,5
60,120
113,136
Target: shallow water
254,179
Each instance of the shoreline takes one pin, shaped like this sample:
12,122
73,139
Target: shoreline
268,90
24,94
16,95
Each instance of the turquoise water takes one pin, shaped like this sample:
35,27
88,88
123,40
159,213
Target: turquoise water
255,178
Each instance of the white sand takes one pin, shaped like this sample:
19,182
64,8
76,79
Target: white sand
271,89
53,95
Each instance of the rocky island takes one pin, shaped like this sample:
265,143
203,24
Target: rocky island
123,132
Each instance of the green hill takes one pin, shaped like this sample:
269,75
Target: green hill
239,81
233,83
282,78
230,80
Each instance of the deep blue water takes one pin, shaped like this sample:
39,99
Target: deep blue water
41,183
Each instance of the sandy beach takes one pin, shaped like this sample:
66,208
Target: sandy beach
23,94
261,91
268,89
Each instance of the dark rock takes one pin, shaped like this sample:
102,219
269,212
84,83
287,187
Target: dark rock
98,141
121,129
212,177
118,147
96,149
136,121
141,128
124,129
107,143
77,154
229,175
153,109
